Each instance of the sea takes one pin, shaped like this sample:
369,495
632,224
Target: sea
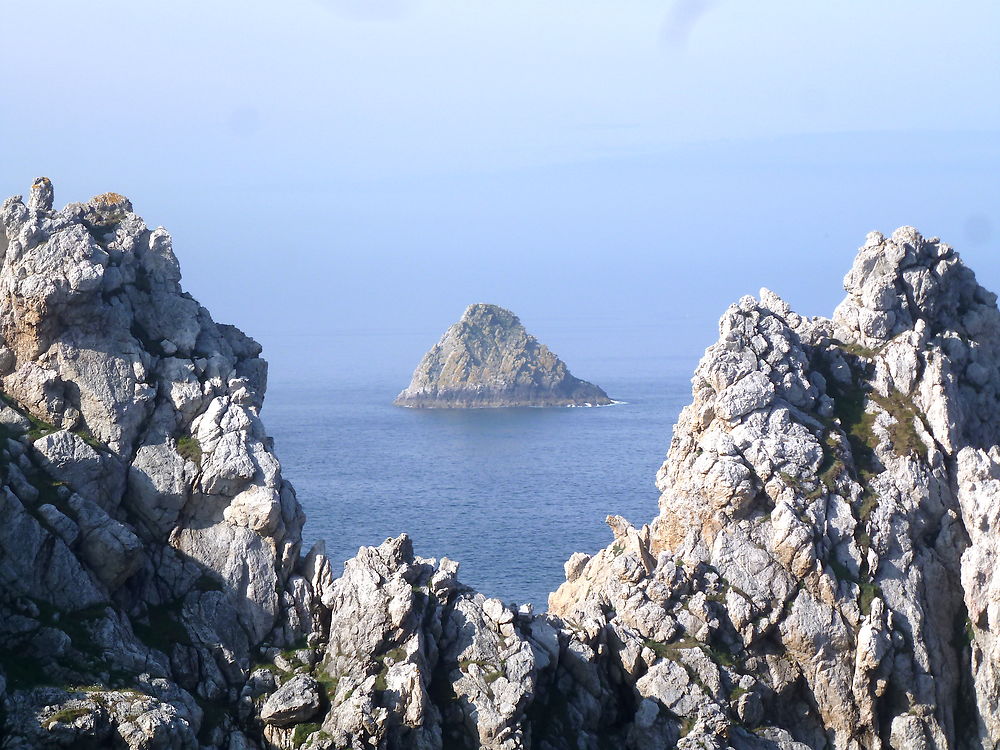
508,493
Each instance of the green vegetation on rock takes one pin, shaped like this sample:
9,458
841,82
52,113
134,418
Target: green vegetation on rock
66,715
189,448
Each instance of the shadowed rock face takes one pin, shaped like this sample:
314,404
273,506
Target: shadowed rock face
488,359
821,573
147,537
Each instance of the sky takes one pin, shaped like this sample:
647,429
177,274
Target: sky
343,177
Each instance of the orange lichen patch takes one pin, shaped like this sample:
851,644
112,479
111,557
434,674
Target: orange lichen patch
41,181
108,199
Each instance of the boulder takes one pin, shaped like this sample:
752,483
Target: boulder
296,701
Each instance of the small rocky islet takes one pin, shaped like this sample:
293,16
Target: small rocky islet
821,573
488,360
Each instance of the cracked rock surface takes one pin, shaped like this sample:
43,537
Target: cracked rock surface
820,573
147,534
826,515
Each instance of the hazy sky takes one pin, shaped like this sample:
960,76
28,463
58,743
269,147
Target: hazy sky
347,175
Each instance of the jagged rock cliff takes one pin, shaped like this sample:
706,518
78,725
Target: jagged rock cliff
834,482
147,534
488,359
820,574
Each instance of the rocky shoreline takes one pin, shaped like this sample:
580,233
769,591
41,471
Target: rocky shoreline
820,574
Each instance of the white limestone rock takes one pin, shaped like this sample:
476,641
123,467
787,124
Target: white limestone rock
68,458
820,573
828,490
294,702
119,501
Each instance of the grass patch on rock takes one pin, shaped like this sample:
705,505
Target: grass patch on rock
869,592
66,715
39,427
902,432
303,732
189,448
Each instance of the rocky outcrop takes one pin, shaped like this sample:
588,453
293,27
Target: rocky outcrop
830,484
412,658
820,574
488,359
148,535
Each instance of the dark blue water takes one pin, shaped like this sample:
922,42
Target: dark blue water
510,493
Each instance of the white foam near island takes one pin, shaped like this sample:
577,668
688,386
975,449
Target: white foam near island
595,406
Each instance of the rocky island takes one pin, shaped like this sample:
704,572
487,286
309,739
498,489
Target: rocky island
821,574
487,359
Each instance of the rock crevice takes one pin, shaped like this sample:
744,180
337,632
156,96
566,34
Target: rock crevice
820,573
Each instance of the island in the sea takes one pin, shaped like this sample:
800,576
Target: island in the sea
821,572
488,360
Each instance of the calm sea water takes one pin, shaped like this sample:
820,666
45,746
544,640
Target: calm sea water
509,493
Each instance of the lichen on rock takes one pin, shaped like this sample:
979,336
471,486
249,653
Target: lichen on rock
124,567
821,486
821,573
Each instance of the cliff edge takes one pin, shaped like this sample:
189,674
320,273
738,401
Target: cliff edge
821,563
148,537
821,573
488,359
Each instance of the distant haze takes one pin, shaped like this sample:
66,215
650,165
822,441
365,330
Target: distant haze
343,177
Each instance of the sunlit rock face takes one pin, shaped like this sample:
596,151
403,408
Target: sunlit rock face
148,536
488,359
820,573
828,509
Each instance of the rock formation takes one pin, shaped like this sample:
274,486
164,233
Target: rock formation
828,504
148,538
820,574
487,359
